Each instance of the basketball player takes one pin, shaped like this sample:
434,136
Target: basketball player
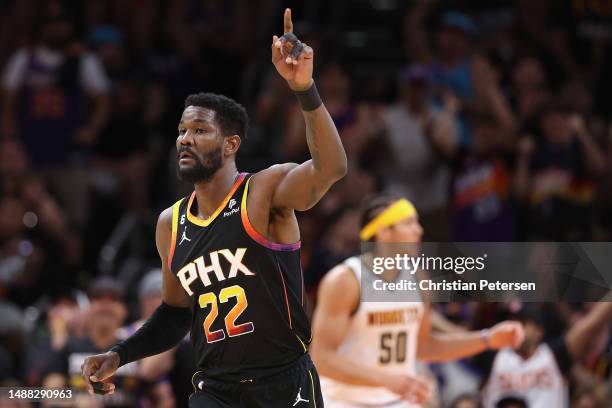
367,351
230,254
536,371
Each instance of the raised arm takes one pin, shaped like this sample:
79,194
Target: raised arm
580,337
163,330
593,157
302,186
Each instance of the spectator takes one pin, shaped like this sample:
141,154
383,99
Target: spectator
456,67
43,226
64,321
137,106
416,134
542,23
46,89
554,176
55,101
481,202
104,318
530,91
537,370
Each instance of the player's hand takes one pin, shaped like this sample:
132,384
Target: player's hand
98,368
292,58
506,334
416,390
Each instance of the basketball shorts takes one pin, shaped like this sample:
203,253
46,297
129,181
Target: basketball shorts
297,386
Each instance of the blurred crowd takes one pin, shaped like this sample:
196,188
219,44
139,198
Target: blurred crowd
494,118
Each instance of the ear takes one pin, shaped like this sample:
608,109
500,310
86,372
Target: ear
383,235
231,144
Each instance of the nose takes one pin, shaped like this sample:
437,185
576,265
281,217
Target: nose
185,139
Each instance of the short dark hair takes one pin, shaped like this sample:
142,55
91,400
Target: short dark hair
511,401
231,116
374,205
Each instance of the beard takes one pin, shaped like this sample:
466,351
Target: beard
203,169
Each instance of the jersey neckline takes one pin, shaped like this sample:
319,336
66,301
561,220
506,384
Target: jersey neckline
205,223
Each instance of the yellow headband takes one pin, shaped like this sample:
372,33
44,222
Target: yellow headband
396,212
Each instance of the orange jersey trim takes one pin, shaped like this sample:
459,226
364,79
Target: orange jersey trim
175,214
254,234
280,271
206,222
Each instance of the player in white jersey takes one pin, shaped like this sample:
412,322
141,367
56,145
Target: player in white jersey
536,371
366,352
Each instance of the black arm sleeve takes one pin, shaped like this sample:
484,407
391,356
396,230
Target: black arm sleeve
163,330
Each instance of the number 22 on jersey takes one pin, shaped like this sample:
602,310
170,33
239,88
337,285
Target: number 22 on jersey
233,329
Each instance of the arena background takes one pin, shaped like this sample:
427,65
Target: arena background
511,145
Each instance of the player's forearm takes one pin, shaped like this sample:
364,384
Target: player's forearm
337,367
163,330
580,337
328,155
451,346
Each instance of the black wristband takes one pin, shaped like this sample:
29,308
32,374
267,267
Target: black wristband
309,99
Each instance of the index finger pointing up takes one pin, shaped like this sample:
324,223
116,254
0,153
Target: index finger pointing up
287,21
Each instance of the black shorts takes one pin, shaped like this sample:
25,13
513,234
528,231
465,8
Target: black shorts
297,386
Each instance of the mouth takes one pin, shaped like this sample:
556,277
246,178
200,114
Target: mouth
185,156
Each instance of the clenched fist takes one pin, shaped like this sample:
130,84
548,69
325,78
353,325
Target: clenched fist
506,334
98,368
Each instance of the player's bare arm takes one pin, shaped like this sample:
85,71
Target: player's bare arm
338,298
292,186
451,346
581,336
98,368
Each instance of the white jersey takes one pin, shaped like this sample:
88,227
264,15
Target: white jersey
382,335
538,379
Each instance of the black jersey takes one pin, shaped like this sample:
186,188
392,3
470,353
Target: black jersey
247,293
